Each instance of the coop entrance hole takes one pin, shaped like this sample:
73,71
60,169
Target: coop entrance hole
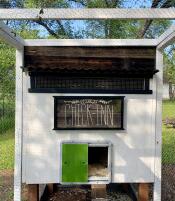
98,165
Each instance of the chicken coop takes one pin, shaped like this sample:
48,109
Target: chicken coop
88,111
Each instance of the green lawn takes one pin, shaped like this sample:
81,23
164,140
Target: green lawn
168,148
7,150
168,136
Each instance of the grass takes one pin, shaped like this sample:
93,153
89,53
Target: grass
7,150
168,134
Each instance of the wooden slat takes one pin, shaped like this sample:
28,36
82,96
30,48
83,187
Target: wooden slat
49,62
10,37
92,42
102,13
92,52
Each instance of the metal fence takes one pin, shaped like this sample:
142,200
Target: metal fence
168,151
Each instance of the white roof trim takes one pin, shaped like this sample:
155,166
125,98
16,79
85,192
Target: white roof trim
10,37
91,42
166,38
93,13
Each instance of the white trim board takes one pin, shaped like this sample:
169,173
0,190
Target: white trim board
90,42
18,126
167,38
10,37
93,13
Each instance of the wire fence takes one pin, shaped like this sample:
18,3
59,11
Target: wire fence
7,114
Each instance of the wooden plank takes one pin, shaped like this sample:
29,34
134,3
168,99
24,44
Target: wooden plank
18,127
56,63
102,13
33,192
9,36
143,192
167,38
98,191
91,42
91,52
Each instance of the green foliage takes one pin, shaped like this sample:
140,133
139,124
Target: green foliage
7,72
169,68
7,63
46,4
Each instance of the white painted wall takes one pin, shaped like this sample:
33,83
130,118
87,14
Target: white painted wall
133,149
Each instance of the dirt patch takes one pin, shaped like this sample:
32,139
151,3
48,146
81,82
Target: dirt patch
168,182
77,193
82,193
6,186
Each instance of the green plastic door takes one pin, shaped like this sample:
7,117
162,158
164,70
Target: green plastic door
74,163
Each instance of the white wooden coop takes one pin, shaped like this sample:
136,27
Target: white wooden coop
88,111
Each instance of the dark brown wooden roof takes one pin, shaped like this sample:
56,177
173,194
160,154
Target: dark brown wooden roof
120,60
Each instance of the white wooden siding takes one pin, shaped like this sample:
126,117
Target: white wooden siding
133,149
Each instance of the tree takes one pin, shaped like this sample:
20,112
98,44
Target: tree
7,64
169,71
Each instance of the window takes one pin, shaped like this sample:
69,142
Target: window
81,84
88,112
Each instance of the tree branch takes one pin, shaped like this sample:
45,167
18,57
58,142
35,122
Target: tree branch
40,22
62,28
147,24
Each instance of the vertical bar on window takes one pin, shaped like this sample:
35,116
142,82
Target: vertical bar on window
122,112
55,112
146,84
32,81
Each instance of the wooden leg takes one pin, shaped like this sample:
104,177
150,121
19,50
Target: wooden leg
50,188
143,192
33,192
125,187
98,191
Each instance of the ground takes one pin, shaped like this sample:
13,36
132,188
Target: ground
168,159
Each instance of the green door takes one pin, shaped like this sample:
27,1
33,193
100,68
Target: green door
74,162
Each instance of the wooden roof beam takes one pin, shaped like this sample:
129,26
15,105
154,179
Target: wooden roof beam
167,38
10,36
93,13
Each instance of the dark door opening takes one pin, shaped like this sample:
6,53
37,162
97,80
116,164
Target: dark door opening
98,161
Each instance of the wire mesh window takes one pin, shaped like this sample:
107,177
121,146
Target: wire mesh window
53,83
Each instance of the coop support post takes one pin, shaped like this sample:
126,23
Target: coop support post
33,192
158,127
18,126
143,192
98,191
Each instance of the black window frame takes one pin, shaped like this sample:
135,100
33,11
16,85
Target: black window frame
86,97
34,89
